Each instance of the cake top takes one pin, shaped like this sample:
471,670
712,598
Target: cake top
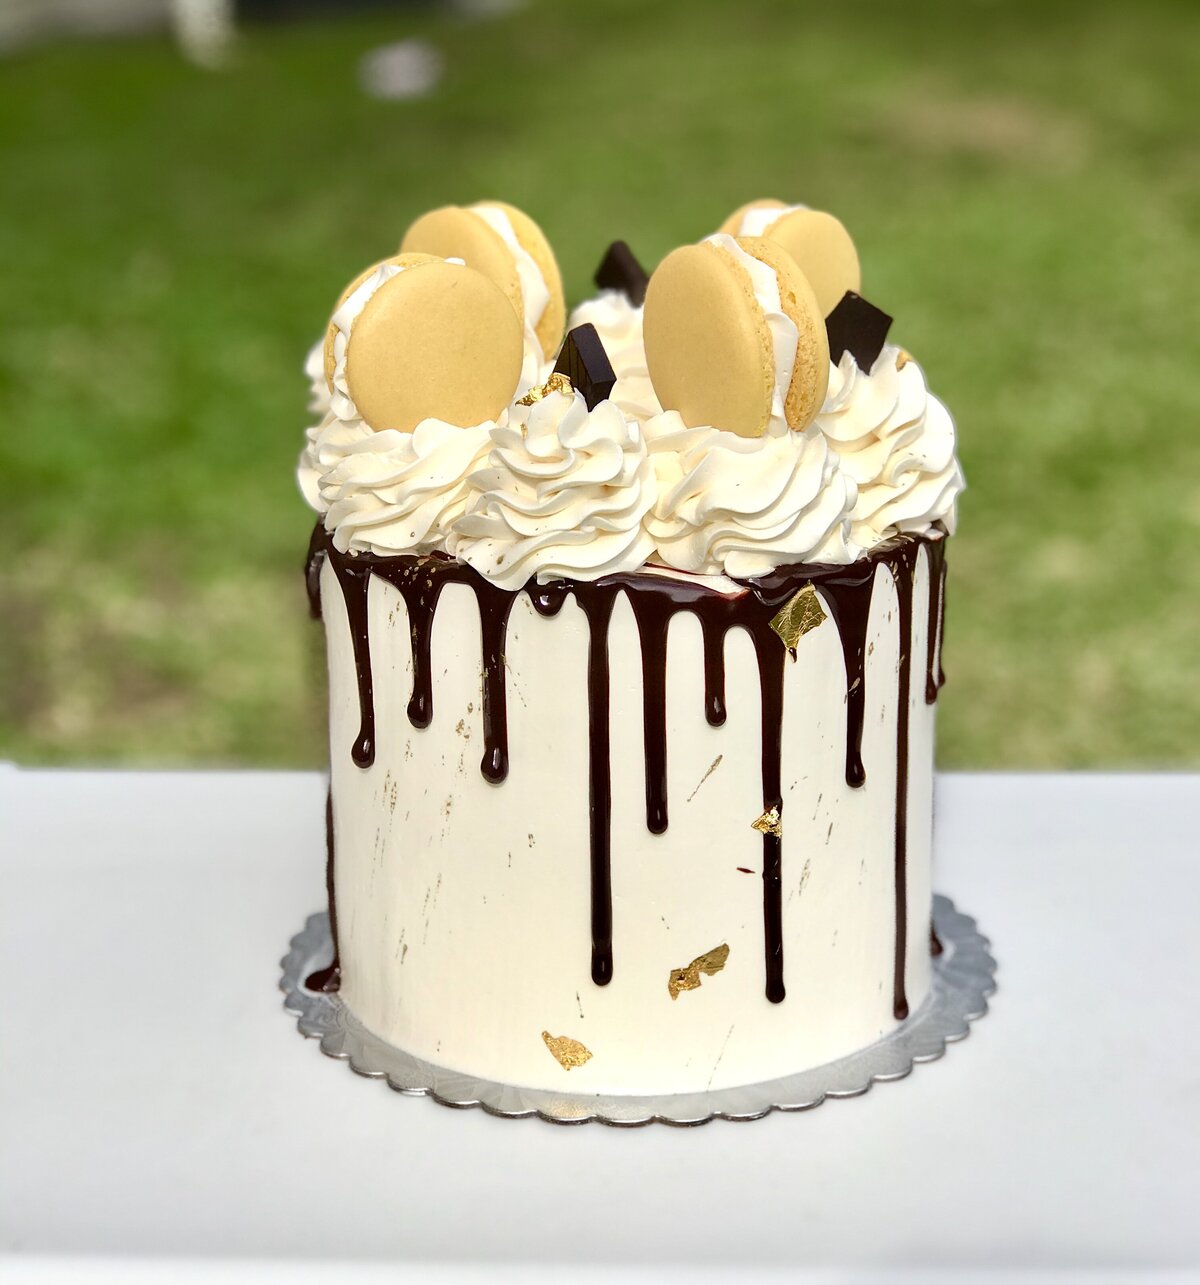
737,410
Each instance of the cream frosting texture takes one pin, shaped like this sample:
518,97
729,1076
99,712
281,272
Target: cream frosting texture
564,493
896,441
391,492
743,506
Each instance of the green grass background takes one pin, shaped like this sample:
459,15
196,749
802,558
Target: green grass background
1022,180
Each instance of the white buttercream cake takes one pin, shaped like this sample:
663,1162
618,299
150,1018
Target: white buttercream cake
631,715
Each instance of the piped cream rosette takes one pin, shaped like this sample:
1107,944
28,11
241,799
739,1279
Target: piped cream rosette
564,492
897,441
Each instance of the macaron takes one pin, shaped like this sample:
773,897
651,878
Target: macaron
505,244
817,241
710,348
428,340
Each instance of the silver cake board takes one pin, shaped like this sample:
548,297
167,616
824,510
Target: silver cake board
963,977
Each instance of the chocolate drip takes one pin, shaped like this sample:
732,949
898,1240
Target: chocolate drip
354,576
494,608
421,602
655,601
312,570
935,942
714,673
653,619
597,606
848,597
770,675
328,979
934,677
903,570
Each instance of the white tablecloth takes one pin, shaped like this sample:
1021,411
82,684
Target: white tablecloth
156,1103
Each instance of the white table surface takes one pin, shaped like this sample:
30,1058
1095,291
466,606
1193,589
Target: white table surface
157,1103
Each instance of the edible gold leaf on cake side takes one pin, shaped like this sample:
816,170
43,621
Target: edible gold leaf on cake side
568,1053
799,616
769,823
688,979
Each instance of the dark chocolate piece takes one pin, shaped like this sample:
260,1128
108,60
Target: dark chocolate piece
620,270
857,327
585,363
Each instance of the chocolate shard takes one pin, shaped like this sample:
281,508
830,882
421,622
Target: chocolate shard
585,363
620,270
857,327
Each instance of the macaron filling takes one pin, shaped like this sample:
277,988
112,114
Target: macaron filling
785,335
758,218
534,291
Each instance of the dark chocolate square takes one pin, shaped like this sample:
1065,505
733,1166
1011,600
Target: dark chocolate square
857,327
585,363
620,270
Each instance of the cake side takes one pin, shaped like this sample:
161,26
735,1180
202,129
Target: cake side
476,913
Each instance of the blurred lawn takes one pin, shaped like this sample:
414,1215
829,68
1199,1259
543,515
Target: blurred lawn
1022,181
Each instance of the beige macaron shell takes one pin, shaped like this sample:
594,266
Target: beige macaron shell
733,223
397,261
456,233
708,347
824,250
810,372
439,341
534,242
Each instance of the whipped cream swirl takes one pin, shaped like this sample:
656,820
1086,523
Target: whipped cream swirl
564,493
619,325
390,492
897,441
743,505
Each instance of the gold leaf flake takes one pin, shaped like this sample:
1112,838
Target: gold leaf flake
557,383
769,823
688,979
567,1052
801,614
903,357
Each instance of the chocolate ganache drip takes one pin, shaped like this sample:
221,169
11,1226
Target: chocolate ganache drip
848,593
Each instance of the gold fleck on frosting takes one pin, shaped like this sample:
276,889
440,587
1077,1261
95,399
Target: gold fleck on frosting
557,383
903,357
688,979
799,616
568,1053
769,823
